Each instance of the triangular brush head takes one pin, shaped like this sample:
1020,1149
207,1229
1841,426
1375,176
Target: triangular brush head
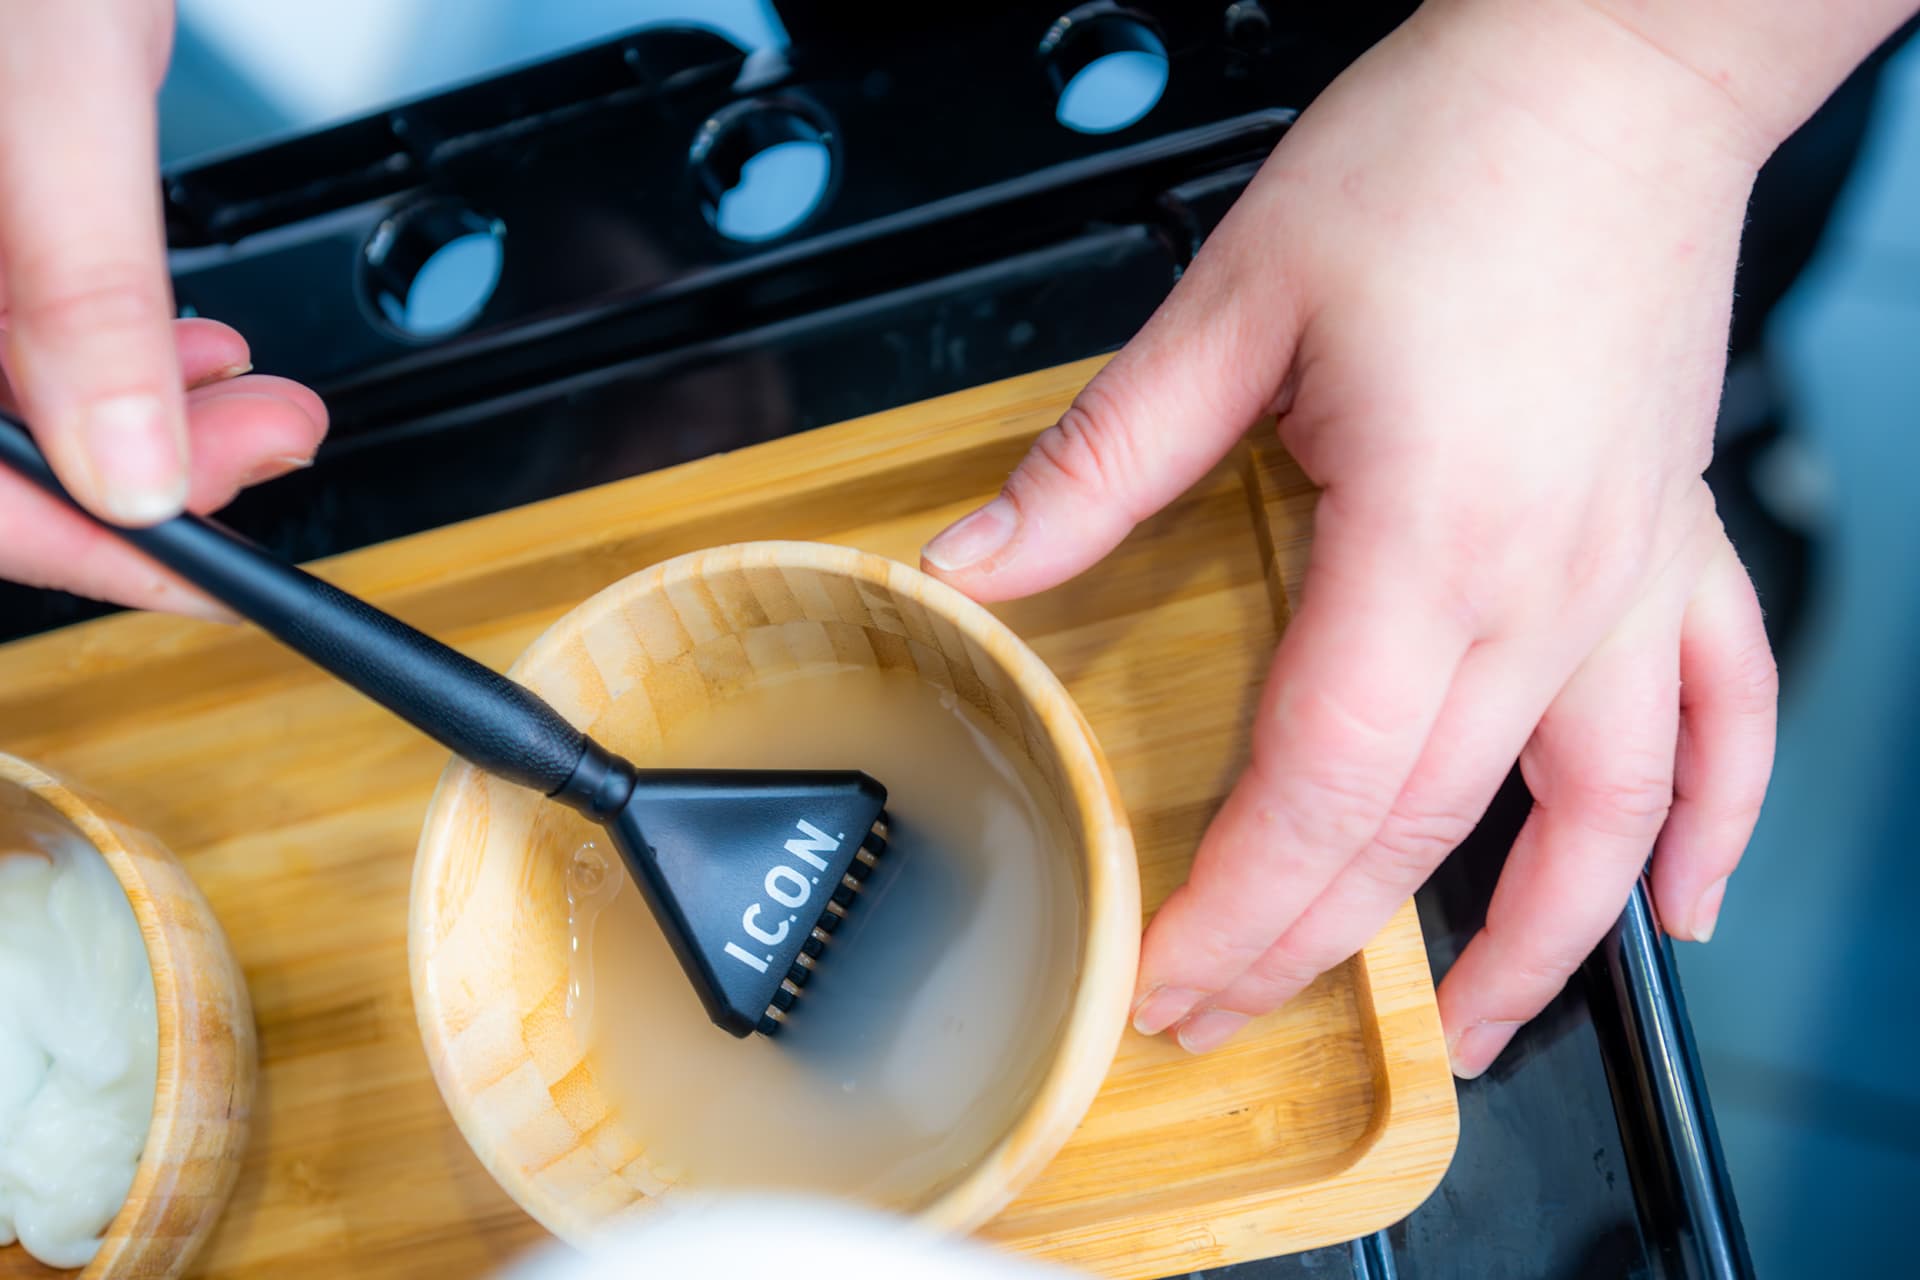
748,873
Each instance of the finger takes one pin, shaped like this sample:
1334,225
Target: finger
1729,697
1489,714
1357,683
248,431
46,544
1150,424
260,384
1600,768
90,312
237,434
210,352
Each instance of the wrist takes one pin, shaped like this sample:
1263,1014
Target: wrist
1606,89
1775,61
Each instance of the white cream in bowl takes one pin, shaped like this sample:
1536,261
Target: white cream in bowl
78,1048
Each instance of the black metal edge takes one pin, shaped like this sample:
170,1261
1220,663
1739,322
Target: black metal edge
1372,1258
1667,1130
219,197
946,236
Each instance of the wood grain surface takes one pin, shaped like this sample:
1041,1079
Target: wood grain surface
296,805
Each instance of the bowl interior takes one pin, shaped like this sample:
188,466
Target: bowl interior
638,663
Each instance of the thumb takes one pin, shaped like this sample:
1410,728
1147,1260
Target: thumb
89,341
1153,421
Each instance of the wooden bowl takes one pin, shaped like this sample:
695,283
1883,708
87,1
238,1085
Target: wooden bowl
488,951
207,1059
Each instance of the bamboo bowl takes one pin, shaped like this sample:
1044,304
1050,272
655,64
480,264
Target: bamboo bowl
487,948
203,1093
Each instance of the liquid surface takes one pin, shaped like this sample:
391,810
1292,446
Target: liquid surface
928,1024
78,1040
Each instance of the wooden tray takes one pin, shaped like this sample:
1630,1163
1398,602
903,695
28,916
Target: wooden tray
296,805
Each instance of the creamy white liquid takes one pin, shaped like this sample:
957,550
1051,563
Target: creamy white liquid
78,1042
930,1020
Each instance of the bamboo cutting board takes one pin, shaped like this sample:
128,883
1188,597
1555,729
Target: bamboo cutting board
296,805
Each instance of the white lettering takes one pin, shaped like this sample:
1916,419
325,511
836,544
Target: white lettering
788,887
746,958
771,939
809,849
800,893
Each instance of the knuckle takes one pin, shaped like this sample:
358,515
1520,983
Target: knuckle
1546,971
1221,948
1541,967
1472,532
1410,844
1753,675
1088,448
1605,566
1734,814
1340,726
107,300
1323,810
1283,969
1630,799
1341,798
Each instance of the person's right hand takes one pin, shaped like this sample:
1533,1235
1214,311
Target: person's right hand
1484,283
141,415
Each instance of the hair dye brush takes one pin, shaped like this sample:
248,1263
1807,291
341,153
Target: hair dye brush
748,872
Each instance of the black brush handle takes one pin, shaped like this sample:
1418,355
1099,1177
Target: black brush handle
473,710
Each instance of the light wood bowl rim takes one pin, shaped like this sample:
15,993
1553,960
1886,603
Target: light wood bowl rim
185,978
1111,919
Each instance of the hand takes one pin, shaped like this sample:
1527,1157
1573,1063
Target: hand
140,415
1485,284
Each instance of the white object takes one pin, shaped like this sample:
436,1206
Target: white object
78,1051
749,1237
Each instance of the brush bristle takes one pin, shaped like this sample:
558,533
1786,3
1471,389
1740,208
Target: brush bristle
814,949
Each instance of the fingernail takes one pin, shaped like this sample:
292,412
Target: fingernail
271,468
139,459
1706,912
973,538
1210,1029
1473,1050
223,375
1164,1007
